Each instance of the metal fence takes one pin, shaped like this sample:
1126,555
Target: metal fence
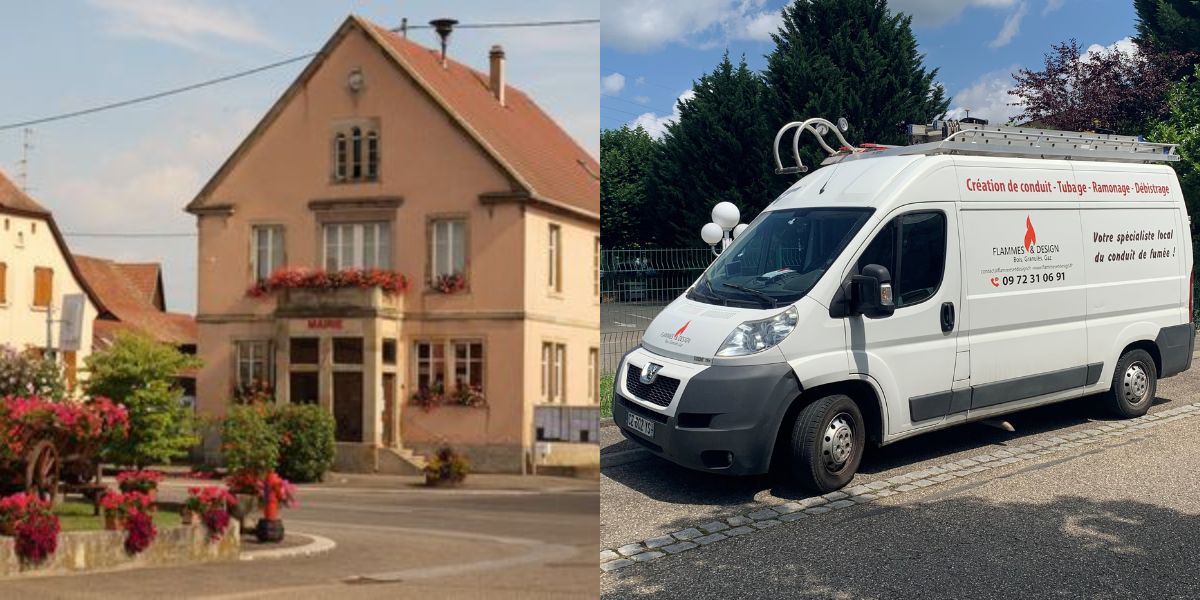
634,286
649,276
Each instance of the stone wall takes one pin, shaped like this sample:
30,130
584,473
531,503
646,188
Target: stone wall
85,551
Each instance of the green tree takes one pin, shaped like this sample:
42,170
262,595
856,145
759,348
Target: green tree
718,150
853,59
1168,26
624,161
1182,127
141,373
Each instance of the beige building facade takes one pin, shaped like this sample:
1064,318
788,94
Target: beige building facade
382,156
36,273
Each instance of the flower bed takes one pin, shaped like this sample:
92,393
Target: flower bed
390,282
89,551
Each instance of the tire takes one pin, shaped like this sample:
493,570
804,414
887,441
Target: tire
827,443
1134,384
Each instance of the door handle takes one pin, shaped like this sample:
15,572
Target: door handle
947,316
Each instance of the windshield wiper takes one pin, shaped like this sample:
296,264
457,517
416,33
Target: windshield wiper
711,292
767,297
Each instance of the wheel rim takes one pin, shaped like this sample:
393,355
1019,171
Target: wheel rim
837,443
1135,385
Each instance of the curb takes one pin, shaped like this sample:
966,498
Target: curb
317,545
765,515
607,422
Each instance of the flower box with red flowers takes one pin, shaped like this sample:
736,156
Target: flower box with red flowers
389,283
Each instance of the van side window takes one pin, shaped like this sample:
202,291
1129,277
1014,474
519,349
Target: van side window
919,240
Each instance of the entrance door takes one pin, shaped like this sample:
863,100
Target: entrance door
348,405
389,409
911,353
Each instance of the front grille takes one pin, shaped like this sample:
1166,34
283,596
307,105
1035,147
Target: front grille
660,393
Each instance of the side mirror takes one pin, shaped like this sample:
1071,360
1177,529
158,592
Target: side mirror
871,292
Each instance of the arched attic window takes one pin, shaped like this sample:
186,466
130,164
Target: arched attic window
372,155
339,157
356,168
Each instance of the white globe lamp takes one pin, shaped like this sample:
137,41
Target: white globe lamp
711,234
726,215
739,229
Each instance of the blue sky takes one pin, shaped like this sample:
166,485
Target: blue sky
651,51
133,169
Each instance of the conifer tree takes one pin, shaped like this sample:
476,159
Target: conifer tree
854,59
718,150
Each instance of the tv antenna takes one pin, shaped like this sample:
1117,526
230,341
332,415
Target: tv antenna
23,164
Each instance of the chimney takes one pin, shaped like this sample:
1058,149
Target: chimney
497,72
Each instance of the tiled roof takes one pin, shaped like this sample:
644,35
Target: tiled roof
530,146
519,132
145,277
131,308
13,199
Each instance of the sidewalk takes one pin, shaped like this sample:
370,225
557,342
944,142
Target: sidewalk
1113,519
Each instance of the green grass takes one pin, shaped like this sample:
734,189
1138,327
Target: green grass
606,396
76,515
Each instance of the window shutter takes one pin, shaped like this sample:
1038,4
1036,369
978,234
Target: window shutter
3,283
43,286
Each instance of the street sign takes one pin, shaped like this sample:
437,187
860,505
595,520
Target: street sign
70,331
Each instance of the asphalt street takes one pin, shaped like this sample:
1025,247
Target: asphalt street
1116,517
628,316
504,537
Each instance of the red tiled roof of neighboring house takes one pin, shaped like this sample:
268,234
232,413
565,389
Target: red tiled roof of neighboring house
14,200
131,308
147,278
530,146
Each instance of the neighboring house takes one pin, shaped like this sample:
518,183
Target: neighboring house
382,156
36,272
133,293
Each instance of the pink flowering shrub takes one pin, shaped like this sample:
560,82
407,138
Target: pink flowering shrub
140,532
37,537
81,427
139,481
212,504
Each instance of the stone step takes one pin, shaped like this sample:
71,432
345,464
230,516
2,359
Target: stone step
400,461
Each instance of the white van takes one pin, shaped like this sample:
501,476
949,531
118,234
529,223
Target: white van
907,289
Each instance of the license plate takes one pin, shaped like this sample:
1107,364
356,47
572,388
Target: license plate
640,424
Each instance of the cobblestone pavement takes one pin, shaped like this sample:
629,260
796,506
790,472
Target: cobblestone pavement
722,523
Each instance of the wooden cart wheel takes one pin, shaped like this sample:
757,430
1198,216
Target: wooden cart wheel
41,471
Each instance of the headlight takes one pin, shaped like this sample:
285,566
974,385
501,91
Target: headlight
756,336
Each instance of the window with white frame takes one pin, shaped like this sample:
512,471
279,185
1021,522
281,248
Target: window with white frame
448,247
554,372
357,246
594,374
431,365
555,252
254,362
468,363
267,251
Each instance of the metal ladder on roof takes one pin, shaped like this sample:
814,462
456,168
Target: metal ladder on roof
954,137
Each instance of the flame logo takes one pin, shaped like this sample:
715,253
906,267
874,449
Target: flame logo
1030,234
682,329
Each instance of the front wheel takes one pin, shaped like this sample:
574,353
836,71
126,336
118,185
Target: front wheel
1134,384
827,443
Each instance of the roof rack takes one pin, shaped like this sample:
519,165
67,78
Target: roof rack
956,137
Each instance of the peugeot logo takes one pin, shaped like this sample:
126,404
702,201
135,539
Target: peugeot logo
650,373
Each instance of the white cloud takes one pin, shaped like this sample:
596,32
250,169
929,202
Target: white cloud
655,125
1124,45
933,13
1052,5
642,99
640,80
191,24
645,25
612,84
987,98
1011,27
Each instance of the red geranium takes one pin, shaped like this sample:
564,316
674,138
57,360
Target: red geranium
37,537
390,282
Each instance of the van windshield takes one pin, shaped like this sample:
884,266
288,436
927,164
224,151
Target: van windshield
779,257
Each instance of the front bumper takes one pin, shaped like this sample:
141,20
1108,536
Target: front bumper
722,419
